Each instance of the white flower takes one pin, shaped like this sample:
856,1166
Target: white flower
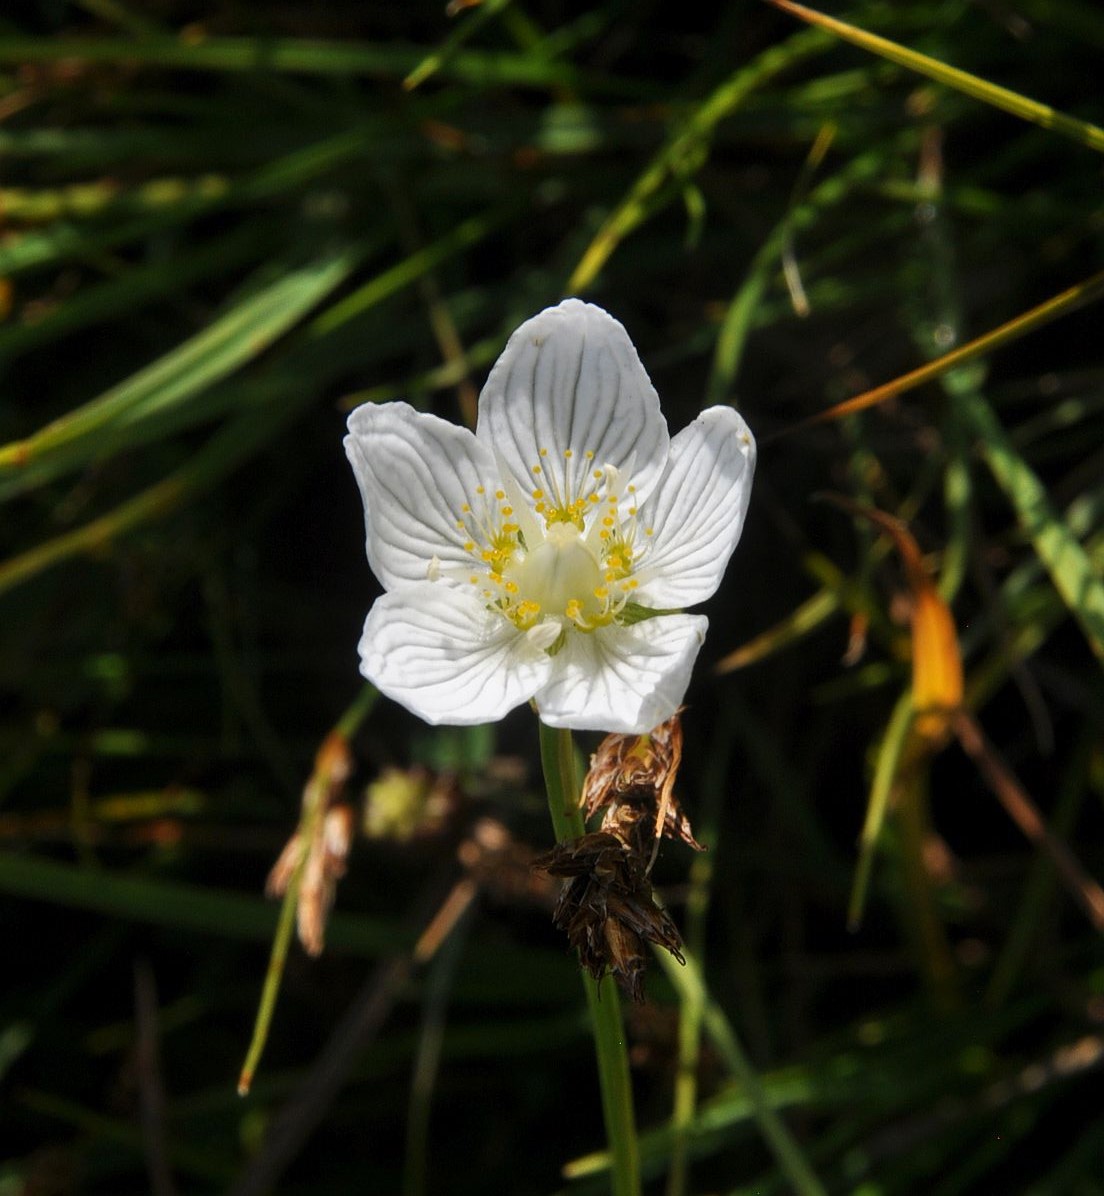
547,556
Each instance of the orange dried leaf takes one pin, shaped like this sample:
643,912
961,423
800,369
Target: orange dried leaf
936,659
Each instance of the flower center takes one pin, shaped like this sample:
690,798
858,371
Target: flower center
560,577
576,570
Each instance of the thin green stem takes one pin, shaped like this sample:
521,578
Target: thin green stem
562,783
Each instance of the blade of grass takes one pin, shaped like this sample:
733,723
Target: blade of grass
1025,927
235,442
890,755
690,985
686,150
136,287
803,620
308,56
440,55
168,903
1059,305
238,439
1023,811
240,335
692,1005
746,306
466,234
971,85
1074,576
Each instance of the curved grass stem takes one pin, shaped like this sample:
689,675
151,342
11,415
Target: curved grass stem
562,783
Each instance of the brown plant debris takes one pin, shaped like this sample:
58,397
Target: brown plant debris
502,866
317,852
632,777
327,851
607,910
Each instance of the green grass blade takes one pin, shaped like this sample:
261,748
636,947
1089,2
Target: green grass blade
971,85
1075,577
687,149
307,56
181,906
890,755
242,334
432,63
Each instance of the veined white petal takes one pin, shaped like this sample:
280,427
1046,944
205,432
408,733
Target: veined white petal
697,510
570,383
416,474
625,679
440,653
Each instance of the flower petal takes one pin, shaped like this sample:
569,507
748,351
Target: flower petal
569,383
697,510
416,474
440,653
625,679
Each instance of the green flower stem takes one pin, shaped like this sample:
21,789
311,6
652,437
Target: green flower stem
562,783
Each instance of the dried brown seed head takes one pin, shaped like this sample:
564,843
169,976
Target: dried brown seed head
607,908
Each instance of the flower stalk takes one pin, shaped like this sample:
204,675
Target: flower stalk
603,1001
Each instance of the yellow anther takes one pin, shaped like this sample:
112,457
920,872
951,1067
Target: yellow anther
507,511
511,587
601,592
500,495
536,469
609,521
480,490
538,493
568,454
469,546
649,531
544,452
598,474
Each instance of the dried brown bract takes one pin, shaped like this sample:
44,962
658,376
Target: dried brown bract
327,852
325,832
607,909
632,778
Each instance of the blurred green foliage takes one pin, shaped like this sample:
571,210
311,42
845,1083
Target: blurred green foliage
222,225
